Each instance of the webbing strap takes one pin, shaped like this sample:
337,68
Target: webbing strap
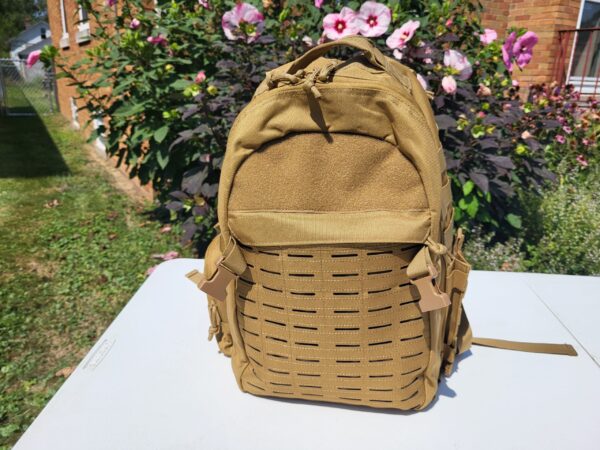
531,347
420,264
233,260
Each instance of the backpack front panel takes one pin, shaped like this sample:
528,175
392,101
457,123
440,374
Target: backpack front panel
333,323
328,213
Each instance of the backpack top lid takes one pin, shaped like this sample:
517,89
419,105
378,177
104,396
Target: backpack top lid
327,146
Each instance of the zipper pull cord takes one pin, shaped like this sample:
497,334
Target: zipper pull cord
322,75
309,85
274,79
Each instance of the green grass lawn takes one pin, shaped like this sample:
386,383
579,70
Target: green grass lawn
73,249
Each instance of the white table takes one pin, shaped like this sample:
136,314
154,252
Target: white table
153,381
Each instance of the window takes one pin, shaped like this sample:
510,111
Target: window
64,38
83,14
99,142
83,35
74,113
584,72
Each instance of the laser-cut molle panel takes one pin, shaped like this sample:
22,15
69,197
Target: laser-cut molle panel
333,323
318,172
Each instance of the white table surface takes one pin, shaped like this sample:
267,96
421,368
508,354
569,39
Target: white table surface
153,381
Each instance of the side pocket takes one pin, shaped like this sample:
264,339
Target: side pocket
456,286
217,310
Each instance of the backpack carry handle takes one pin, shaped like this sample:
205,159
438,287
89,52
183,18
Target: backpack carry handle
372,53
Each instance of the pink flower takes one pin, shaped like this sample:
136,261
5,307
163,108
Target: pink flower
33,57
567,129
560,139
134,24
205,157
483,91
170,255
111,3
158,40
150,270
166,229
422,81
244,22
204,4
481,115
459,62
428,61
507,50
339,25
449,22
373,19
200,77
581,160
449,84
308,41
398,54
319,3
488,36
166,256
402,35
523,48
515,83
586,142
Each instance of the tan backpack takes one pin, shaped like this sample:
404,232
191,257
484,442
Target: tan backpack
337,275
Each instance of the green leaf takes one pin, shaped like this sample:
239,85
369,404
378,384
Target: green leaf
478,131
161,133
472,206
180,84
162,157
514,220
457,214
130,109
468,187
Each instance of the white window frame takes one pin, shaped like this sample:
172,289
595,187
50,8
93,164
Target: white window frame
83,27
99,142
64,38
587,87
74,114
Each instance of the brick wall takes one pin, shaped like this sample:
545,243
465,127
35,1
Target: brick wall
545,18
74,52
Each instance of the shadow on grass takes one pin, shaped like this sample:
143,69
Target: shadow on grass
27,150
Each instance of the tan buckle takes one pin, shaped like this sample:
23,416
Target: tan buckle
217,285
431,296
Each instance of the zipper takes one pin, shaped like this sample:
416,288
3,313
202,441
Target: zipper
332,85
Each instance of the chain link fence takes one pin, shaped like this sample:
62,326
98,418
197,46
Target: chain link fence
26,91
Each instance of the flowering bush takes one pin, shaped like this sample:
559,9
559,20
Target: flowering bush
178,77
573,145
